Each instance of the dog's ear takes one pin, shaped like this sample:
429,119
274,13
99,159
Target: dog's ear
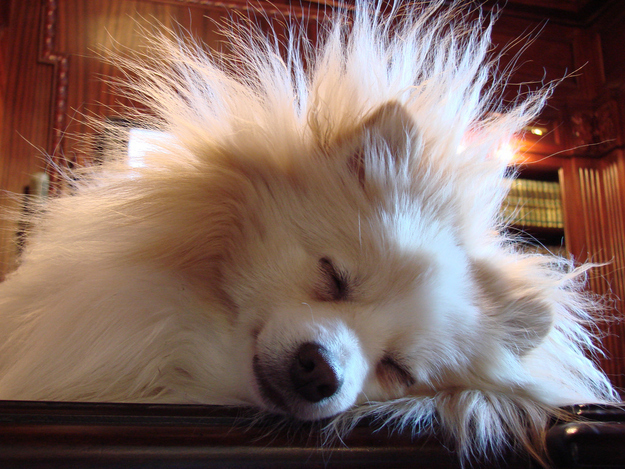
383,145
519,313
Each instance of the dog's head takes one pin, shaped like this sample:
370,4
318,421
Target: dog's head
351,276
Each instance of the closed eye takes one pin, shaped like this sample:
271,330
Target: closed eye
333,284
392,373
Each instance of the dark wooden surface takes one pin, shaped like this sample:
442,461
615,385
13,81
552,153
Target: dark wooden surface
59,435
114,435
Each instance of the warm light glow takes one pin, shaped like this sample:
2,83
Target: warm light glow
537,131
505,153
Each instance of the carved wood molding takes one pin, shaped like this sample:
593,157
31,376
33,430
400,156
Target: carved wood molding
595,129
60,62
314,11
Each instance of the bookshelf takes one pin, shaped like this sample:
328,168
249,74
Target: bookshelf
534,209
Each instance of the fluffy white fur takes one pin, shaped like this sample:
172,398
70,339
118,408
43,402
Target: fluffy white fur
352,203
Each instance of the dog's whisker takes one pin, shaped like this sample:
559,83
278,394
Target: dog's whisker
312,314
359,232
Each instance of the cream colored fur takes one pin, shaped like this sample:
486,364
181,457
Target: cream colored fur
352,204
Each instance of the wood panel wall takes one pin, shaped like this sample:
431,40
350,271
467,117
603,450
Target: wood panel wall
50,77
600,189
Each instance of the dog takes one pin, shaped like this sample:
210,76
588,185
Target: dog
320,238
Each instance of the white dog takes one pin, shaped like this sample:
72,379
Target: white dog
319,240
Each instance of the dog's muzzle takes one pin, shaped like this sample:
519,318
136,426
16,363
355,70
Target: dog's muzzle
311,377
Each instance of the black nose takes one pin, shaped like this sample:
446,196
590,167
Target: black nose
314,373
